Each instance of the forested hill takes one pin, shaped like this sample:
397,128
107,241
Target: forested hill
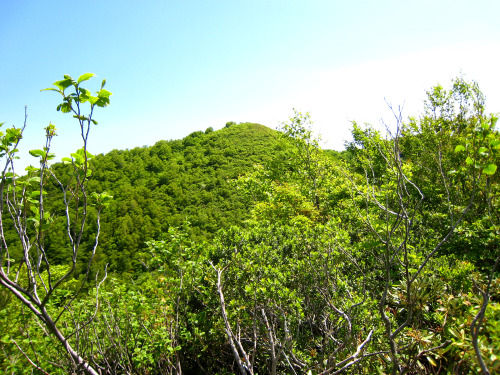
171,182
382,259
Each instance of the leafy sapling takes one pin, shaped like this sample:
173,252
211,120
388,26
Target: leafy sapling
29,274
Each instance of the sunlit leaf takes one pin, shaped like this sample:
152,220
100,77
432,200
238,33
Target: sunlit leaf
85,77
104,94
431,361
495,143
93,99
37,153
30,168
483,150
63,84
490,169
51,89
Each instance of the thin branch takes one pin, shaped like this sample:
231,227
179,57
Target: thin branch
29,360
348,362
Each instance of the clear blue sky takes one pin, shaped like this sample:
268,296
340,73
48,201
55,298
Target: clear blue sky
175,67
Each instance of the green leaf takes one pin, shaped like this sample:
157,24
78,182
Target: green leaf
483,150
490,169
459,148
32,169
102,102
495,143
469,160
37,153
85,77
64,83
431,361
104,94
93,99
35,193
78,158
51,89
82,118
83,91
64,108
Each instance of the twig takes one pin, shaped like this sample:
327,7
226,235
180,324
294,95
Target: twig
29,360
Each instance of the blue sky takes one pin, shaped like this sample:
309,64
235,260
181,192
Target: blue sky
175,67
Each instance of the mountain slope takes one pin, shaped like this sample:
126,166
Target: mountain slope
169,183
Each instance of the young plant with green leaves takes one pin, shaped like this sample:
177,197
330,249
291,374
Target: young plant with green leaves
26,268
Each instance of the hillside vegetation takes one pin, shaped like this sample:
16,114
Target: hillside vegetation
171,183
253,251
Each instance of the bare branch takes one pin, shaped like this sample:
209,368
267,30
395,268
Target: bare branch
29,359
353,359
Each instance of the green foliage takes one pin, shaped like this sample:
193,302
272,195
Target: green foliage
44,291
279,278
159,187
80,96
374,260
